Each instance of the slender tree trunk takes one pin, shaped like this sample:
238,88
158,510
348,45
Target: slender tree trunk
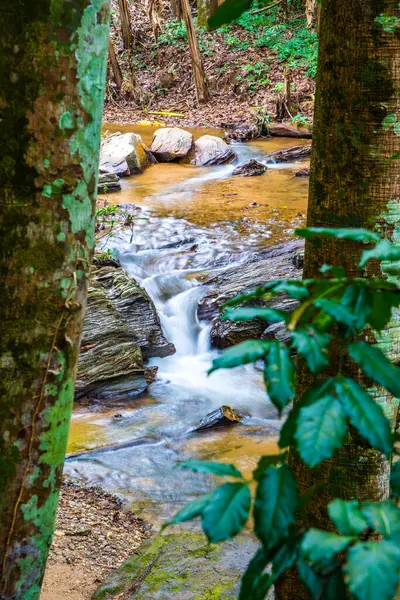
116,69
52,68
176,9
205,8
197,63
353,183
125,24
310,10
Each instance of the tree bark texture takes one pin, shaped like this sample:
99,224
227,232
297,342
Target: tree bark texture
52,68
205,8
197,63
116,69
353,183
125,24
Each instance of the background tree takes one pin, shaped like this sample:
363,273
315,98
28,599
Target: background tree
355,182
52,68
205,8
197,62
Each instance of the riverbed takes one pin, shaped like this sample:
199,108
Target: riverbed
194,222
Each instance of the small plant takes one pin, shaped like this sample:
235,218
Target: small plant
254,76
300,119
335,311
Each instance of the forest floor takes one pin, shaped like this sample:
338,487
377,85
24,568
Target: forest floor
94,535
244,62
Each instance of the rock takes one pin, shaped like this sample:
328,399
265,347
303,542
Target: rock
286,130
250,168
181,565
171,143
210,150
289,154
242,133
303,172
108,182
222,417
276,331
278,262
121,328
124,154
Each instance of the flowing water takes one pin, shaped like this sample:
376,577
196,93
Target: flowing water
194,222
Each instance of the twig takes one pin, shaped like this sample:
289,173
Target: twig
260,10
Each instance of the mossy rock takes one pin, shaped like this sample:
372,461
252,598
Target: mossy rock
180,565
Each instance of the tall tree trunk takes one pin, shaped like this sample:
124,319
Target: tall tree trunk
52,68
125,24
116,69
353,184
205,8
310,10
197,63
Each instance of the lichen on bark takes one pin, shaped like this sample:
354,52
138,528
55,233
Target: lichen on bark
52,68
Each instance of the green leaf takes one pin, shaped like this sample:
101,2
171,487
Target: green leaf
309,397
347,516
383,517
226,511
364,414
382,308
294,289
285,556
355,235
268,461
227,12
318,547
396,128
377,366
275,506
395,479
191,510
335,271
246,314
359,300
321,587
385,250
321,428
255,294
395,156
246,352
313,346
279,375
255,583
390,118
339,312
215,468
372,570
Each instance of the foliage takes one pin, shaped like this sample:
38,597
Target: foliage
255,75
334,307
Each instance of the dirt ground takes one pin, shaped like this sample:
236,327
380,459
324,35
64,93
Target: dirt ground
94,535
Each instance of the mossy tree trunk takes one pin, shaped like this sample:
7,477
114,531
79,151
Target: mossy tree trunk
205,8
197,62
354,183
52,69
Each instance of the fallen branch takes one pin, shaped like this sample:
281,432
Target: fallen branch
255,12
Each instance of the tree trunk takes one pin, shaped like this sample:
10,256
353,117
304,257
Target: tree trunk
176,9
116,69
205,8
125,24
310,10
353,184
52,65
197,63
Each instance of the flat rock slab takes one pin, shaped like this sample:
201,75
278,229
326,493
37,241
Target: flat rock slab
289,154
181,566
250,168
108,182
210,150
171,143
287,130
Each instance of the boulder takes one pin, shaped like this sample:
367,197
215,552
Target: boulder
124,154
121,329
279,262
289,154
250,168
224,416
180,565
210,150
171,143
287,130
108,182
303,172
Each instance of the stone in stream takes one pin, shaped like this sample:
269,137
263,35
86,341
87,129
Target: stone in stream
124,154
250,168
181,566
121,328
287,130
289,154
108,182
210,150
171,143
278,262
222,417
303,172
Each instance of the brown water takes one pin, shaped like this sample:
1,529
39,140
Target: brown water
195,221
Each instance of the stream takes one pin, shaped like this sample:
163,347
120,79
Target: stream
194,222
